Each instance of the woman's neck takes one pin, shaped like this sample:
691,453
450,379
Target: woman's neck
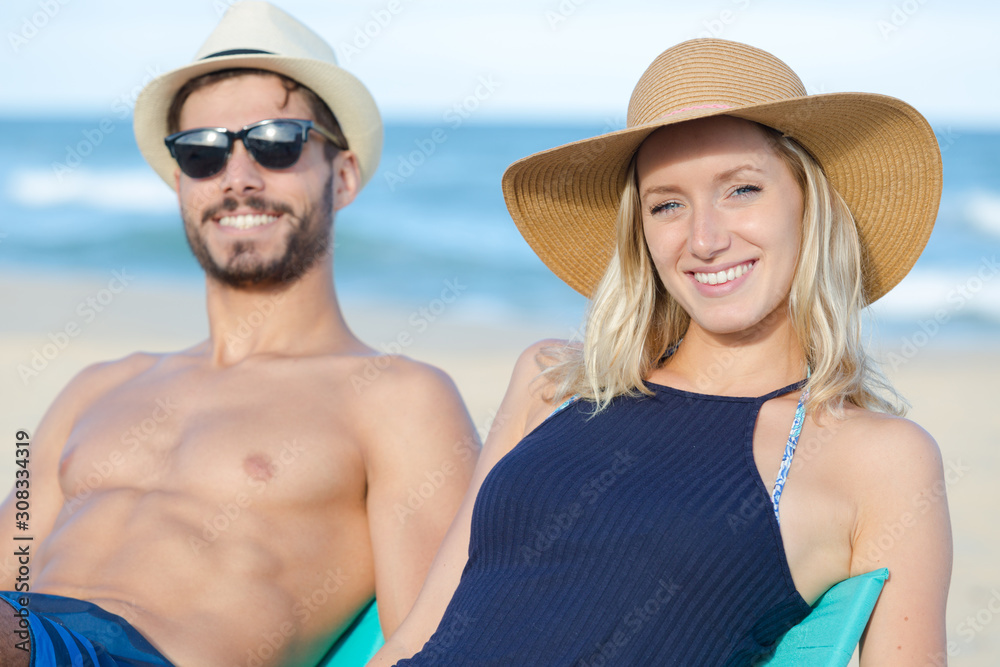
748,363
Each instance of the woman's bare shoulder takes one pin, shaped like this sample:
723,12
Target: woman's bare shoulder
877,437
881,455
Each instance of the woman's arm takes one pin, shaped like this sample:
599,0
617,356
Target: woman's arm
523,406
903,525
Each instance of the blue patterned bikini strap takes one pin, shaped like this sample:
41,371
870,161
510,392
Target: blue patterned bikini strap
562,406
786,458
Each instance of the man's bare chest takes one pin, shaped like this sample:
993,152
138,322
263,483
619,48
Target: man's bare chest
276,437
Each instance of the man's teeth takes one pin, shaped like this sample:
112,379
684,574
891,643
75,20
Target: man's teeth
723,276
246,221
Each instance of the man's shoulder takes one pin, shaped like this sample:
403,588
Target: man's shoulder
85,389
406,401
393,376
102,376
130,364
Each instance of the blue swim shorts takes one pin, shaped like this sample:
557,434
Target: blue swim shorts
65,632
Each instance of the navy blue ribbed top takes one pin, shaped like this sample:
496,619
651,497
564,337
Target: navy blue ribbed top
641,536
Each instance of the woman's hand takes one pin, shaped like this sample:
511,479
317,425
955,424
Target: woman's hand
526,403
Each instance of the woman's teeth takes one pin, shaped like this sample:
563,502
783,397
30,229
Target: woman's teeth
722,277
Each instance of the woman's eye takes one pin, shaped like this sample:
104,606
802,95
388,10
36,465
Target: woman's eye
744,190
664,207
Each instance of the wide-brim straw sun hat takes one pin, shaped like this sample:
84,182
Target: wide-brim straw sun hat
258,35
878,152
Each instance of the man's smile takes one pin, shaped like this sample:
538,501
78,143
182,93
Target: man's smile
247,221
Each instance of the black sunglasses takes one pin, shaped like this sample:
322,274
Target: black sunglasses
275,144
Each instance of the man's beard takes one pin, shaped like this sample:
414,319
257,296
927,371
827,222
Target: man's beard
308,242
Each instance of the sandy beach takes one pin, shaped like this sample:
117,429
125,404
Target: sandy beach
55,326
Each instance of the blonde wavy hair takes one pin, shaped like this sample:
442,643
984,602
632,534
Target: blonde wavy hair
632,320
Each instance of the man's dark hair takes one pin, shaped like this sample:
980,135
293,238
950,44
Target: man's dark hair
321,112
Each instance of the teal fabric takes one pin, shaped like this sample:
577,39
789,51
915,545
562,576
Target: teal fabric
826,638
829,634
358,643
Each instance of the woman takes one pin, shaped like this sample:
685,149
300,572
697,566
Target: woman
728,239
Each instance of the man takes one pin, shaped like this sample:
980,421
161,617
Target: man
239,502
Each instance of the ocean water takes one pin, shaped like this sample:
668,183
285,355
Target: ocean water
77,195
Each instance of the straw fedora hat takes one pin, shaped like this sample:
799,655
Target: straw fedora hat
259,35
878,152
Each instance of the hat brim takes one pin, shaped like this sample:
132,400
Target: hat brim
348,99
878,152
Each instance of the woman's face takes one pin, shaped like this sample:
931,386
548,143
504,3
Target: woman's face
722,217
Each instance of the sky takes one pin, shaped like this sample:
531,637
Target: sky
545,60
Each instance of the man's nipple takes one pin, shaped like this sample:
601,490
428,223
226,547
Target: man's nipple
65,462
259,467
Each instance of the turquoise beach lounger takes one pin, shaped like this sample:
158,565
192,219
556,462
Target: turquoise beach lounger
826,638
829,634
360,641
